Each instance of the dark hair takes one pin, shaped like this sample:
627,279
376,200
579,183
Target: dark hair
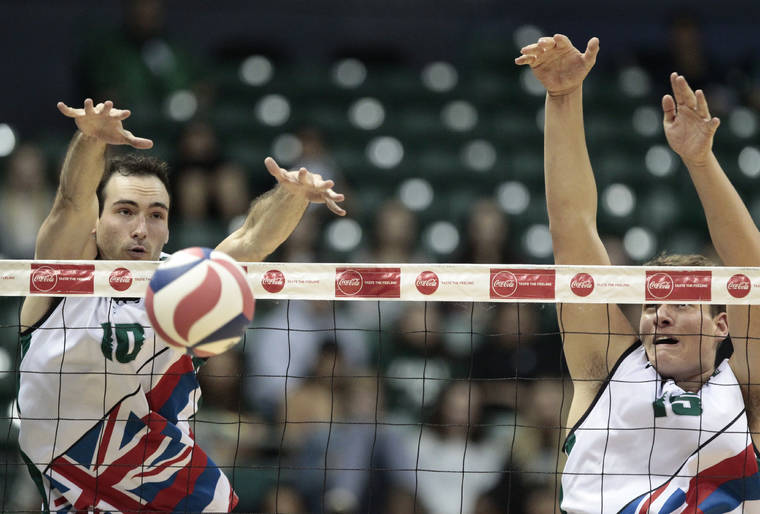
133,164
686,260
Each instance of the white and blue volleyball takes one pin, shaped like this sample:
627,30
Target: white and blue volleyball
200,300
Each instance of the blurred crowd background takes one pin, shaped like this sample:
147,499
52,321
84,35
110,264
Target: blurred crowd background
418,113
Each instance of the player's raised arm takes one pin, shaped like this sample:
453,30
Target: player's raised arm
66,233
571,195
690,129
274,215
571,199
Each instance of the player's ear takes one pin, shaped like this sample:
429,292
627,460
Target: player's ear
721,324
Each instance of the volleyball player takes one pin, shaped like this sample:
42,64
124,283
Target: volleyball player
105,404
659,422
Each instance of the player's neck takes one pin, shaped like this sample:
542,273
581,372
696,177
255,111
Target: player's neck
694,382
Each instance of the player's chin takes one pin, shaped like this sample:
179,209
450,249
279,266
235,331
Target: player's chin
666,360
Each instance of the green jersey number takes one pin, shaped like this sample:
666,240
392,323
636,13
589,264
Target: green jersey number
687,404
122,351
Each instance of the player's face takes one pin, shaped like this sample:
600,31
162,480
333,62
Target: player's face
134,224
681,339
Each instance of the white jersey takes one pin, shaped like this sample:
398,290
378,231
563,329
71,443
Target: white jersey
646,446
105,408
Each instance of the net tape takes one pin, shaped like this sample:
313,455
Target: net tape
409,282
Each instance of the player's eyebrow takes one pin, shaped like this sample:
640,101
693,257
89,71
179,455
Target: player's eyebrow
160,205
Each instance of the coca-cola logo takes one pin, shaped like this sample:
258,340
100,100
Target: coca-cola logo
120,279
582,284
44,279
273,281
349,282
660,285
739,285
62,279
504,283
426,282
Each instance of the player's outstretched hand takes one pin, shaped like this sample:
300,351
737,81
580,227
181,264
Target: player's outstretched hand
559,66
102,121
307,184
689,127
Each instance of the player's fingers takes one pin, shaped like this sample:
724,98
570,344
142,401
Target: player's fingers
687,87
107,106
337,197
525,59
677,94
273,168
334,207
702,108
714,124
324,185
66,110
121,114
137,142
668,108
142,143
532,49
303,176
88,106
546,42
562,41
687,95
592,48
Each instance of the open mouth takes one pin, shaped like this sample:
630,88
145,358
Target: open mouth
137,251
665,340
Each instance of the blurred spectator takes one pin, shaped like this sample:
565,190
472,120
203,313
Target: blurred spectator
686,53
25,196
359,451
416,351
284,346
542,410
283,498
513,349
211,194
401,501
315,401
488,236
542,500
508,496
316,157
748,80
456,459
394,236
207,186
394,240
137,64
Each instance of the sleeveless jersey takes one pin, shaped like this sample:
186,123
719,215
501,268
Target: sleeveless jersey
104,407
647,446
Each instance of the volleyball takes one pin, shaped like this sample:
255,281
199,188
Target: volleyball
199,300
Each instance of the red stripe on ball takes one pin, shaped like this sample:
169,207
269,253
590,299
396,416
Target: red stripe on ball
198,302
156,325
245,288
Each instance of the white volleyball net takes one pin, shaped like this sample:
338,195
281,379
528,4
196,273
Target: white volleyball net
422,388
